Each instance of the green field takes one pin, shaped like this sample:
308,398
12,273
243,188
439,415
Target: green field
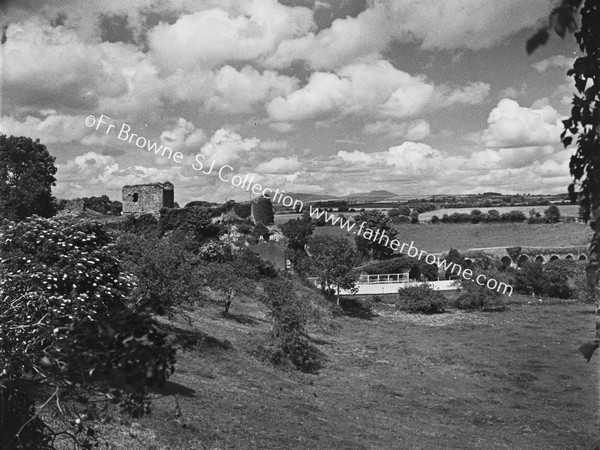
441,237
565,210
508,380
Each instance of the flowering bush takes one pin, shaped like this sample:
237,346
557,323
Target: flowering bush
64,324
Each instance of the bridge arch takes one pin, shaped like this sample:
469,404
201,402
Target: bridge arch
540,259
582,257
506,261
554,257
523,259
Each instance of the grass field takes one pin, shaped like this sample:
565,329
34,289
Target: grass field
504,380
565,210
441,237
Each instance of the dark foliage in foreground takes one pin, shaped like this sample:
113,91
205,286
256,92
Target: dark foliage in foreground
66,332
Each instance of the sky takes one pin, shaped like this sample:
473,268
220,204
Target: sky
328,97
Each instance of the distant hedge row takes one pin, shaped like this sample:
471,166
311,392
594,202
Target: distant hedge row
477,216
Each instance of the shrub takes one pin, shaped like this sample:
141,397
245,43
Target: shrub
556,278
493,215
414,216
289,315
195,221
435,219
529,279
167,274
261,231
242,210
65,325
403,210
258,268
143,225
401,219
513,216
552,214
474,296
421,300
244,228
553,279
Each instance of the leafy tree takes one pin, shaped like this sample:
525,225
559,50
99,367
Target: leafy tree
556,278
333,261
26,178
116,208
429,271
552,214
414,216
298,231
455,257
242,210
374,220
435,219
99,204
260,230
476,216
404,210
228,280
393,213
584,122
195,221
262,211
66,331
529,279
167,274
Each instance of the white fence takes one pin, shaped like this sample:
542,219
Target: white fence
390,283
384,278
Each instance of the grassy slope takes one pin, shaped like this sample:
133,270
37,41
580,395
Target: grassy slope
440,237
460,380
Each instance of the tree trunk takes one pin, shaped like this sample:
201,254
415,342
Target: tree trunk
227,305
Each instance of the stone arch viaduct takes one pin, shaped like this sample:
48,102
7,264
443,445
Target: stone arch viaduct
517,256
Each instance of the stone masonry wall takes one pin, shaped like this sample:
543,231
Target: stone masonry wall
146,198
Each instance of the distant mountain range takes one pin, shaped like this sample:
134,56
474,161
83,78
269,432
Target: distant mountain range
372,196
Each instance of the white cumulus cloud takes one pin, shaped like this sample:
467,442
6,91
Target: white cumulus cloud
512,125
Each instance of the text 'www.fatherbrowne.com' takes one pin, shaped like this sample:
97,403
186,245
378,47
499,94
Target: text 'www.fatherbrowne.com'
382,238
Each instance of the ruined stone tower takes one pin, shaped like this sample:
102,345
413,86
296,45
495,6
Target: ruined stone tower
145,198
